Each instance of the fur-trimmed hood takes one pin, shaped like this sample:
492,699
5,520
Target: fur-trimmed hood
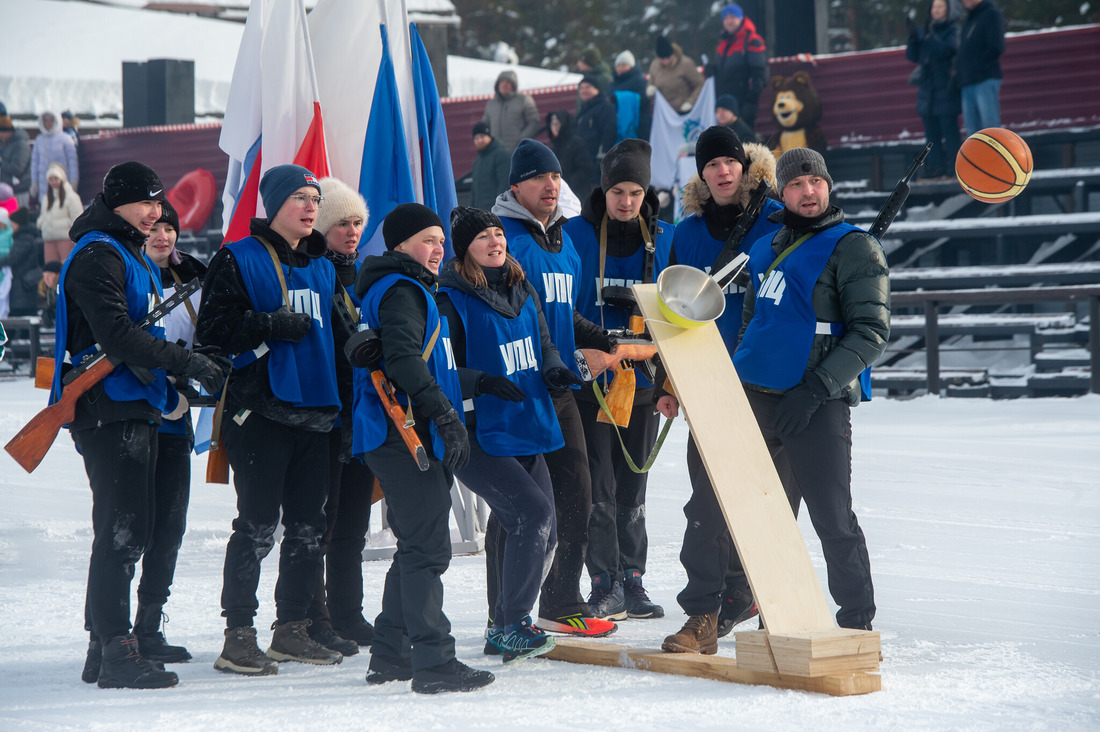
761,167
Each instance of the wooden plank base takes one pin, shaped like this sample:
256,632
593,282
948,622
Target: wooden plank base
820,653
717,668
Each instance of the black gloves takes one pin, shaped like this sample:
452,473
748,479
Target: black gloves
499,386
288,326
209,371
560,377
456,442
794,410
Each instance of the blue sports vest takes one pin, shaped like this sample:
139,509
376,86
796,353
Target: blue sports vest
554,277
618,272
369,419
142,289
695,247
508,347
302,374
776,348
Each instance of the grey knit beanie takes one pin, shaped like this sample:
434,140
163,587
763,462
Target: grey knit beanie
800,161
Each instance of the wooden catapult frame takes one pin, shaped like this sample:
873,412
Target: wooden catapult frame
801,647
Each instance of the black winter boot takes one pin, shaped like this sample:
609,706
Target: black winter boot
354,628
384,669
123,667
323,633
151,640
92,662
450,676
291,642
737,607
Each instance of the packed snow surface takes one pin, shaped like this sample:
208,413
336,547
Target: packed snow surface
982,519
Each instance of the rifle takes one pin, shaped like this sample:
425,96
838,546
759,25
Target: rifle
728,267
31,444
362,353
592,362
897,198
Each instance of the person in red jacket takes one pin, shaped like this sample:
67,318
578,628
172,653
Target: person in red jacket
740,66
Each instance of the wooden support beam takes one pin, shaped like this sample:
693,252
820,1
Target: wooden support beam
716,668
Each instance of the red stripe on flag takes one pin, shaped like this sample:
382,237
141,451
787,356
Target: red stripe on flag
246,203
311,153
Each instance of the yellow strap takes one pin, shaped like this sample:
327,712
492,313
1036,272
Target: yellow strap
427,354
278,270
186,303
786,251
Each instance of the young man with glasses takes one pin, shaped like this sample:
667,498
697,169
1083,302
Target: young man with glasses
267,299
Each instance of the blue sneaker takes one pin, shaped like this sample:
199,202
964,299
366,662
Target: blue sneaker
520,641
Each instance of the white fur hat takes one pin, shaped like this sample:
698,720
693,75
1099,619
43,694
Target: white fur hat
626,57
340,202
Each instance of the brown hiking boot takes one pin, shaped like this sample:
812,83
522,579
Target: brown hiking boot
699,635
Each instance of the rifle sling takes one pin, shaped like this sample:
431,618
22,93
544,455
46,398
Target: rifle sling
787,251
626,453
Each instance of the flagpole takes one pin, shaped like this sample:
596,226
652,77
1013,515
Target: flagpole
309,59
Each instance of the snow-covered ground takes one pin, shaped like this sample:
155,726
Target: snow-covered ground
982,519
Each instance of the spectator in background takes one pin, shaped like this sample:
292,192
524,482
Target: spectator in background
7,198
933,46
490,173
675,76
726,111
70,123
591,62
52,146
629,78
596,126
15,158
60,208
25,261
979,65
576,164
47,293
511,116
740,65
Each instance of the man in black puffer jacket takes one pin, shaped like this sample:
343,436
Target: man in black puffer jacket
281,403
805,364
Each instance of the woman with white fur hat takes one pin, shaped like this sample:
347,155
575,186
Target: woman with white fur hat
60,209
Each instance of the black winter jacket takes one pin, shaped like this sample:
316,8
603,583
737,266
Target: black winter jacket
933,46
402,323
227,321
981,45
490,175
854,289
96,312
577,165
597,123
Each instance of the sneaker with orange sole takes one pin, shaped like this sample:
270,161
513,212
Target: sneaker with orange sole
578,624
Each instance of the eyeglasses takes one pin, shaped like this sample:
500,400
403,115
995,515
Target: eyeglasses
302,199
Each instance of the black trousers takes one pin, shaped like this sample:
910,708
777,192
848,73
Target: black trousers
276,469
173,493
519,493
617,539
120,460
418,505
338,589
561,594
708,555
816,466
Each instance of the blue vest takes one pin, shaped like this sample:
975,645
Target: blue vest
554,277
776,348
508,347
618,272
302,374
369,420
695,247
142,290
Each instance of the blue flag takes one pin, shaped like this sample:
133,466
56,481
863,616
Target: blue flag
435,153
385,177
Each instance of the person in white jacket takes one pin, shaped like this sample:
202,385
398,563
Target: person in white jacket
60,207
52,146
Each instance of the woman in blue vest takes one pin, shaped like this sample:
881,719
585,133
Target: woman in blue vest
268,299
412,636
107,286
503,349
619,238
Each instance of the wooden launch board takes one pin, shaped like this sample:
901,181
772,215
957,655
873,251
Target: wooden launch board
801,640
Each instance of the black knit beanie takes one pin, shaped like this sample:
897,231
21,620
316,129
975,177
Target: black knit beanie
405,221
21,216
129,183
627,161
169,216
481,129
531,158
593,80
718,141
466,223
664,47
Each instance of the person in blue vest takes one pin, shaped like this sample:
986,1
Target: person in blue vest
816,317
717,595
336,613
620,239
107,286
533,225
268,299
507,363
412,635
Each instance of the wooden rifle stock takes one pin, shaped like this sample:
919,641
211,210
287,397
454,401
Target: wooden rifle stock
620,397
217,465
397,415
31,444
43,373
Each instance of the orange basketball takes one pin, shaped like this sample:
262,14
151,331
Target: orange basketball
993,165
